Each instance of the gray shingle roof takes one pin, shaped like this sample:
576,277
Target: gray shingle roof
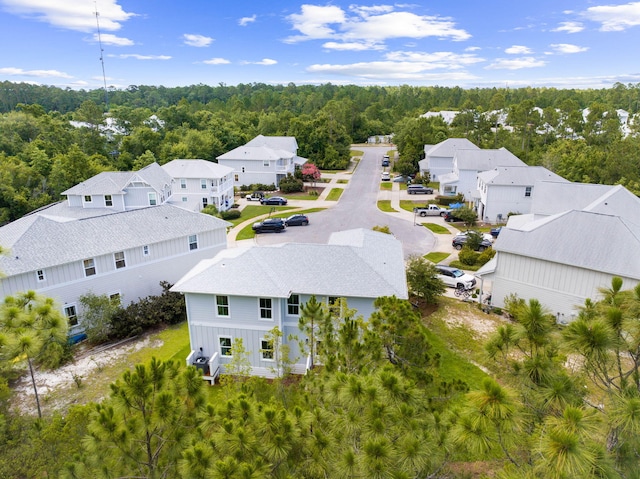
518,175
448,147
246,152
287,143
37,241
482,160
114,182
196,169
354,263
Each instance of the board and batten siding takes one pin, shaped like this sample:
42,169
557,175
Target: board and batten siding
502,200
138,197
561,288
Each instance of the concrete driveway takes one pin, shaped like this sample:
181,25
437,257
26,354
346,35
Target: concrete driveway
357,208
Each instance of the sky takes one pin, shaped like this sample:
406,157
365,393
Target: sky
83,44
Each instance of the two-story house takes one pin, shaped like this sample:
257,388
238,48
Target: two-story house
509,189
246,292
467,163
198,183
575,240
114,235
264,160
438,159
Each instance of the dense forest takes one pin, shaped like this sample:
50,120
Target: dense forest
51,139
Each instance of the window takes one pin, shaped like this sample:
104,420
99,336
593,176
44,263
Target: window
266,349
71,314
145,250
265,163
205,202
527,191
40,275
225,346
89,267
293,305
119,259
152,199
193,242
265,308
203,184
115,298
108,201
236,177
183,183
185,199
87,199
222,302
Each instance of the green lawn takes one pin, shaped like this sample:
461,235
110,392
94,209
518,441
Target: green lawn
409,205
334,194
342,181
436,228
357,153
386,185
436,257
385,205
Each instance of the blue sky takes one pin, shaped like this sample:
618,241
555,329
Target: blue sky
466,43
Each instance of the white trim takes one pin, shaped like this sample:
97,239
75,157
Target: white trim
270,309
230,338
262,351
41,276
222,305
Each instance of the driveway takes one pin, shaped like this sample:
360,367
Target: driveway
357,208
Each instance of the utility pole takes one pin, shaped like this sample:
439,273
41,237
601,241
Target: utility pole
104,77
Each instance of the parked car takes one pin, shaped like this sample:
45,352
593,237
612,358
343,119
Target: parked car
273,200
450,216
486,236
459,241
255,196
385,160
455,278
402,179
385,176
269,225
419,189
495,231
297,220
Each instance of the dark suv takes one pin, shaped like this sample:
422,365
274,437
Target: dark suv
450,216
459,241
269,225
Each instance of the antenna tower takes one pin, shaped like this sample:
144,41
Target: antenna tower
104,76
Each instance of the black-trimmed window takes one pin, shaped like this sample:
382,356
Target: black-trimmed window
527,191
225,346
266,349
71,313
40,275
293,305
89,267
266,311
108,200
119,259
193,242
222,304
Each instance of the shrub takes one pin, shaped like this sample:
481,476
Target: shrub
468,256
290,184
382,229
485,256
210,210
230,214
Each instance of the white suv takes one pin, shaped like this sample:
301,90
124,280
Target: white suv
454,277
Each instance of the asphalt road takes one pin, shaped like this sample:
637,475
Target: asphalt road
357,209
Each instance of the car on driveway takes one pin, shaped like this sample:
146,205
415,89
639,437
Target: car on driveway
274,200
486,236
419,190
459,241
402,179
297,220
450,216
269,225
455,278
495,231
385,176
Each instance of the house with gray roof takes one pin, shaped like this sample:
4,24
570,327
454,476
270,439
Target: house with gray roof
263,160
198,183
114,235
509,190
438,159
574,241
245,292
467,163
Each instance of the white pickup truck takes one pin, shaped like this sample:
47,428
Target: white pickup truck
429,210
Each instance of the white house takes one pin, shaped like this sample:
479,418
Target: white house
577,238
112,236
509,189
467,163
245,292
198,183
439,158
264,160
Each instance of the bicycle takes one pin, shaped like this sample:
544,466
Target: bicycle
462,293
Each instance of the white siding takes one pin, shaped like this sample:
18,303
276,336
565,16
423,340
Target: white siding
506,199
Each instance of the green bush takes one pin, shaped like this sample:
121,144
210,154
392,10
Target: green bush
230,214
447,200
468,256
485,256
290,184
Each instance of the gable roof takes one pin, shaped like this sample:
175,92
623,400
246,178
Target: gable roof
115,182
246,152
568,238
38,241
182,168
518,175
287,143
355,263
481,160
448,147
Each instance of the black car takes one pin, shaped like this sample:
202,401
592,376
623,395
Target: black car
269,225
297,220
450,217
273,200
459,241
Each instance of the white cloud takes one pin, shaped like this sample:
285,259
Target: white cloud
217,61
244,21
368,25
264,61
472,49
431,61
567,48
390,70
517,50
142,57
569,27
366,11
194,40
33,73
71,14
352,46
515,63
615,17
110,39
